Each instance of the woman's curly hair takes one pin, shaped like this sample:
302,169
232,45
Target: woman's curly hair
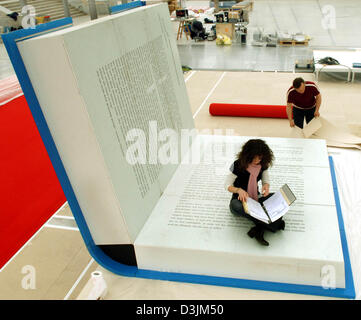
252,148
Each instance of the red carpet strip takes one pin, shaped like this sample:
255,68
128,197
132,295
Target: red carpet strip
30,190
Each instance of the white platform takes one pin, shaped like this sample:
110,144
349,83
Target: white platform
191,229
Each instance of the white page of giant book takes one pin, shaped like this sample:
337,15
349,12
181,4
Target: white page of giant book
99,84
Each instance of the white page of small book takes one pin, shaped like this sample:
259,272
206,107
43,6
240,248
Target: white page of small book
256,209
276,206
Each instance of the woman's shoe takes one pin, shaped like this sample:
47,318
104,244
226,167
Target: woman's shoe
282,225
260,239
252,232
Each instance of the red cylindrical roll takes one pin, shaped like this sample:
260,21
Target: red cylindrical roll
248,110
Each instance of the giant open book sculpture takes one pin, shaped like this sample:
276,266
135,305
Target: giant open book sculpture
147,193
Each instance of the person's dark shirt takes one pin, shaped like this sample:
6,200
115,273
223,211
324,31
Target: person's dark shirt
306,100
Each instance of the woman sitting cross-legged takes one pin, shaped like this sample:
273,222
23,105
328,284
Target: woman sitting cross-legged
251,166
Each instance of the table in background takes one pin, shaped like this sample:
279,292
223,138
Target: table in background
346,58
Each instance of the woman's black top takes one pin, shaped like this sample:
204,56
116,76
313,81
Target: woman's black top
242,177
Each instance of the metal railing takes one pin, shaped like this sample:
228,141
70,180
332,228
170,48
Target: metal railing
91,5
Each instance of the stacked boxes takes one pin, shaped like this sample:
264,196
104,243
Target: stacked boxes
226,29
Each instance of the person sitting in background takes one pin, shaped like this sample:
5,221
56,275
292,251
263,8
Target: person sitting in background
251,166
197,31
12,21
